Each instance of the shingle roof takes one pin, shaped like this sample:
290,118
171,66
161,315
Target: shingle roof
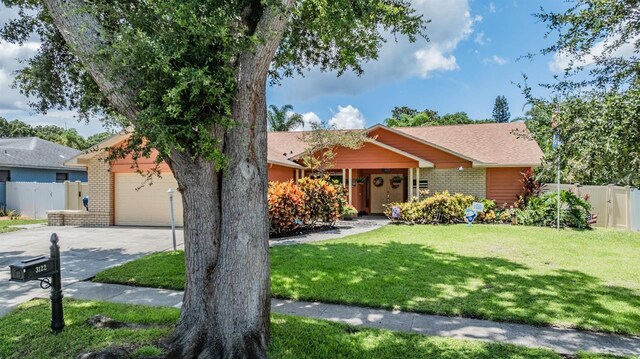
33,152
499,144
488,143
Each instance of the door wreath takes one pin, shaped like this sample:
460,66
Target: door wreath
378,181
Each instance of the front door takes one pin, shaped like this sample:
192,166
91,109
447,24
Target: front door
384,190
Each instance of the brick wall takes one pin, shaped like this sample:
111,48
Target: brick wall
101,190
470,181
78,218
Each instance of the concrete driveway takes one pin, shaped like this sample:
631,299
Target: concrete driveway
84,252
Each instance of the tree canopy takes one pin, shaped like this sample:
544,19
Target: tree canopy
598,96
66,137
501,112
191,75
408,117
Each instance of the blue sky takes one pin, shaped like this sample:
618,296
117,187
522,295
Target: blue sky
472,58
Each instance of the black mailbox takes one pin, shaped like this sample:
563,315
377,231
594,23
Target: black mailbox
32,269
47,271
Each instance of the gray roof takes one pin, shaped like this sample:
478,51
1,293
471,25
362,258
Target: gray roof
34,152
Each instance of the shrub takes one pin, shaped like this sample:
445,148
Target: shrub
542,211
324,199
349,210
439,208
287,211
297,205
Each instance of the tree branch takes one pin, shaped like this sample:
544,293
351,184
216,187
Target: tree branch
87,43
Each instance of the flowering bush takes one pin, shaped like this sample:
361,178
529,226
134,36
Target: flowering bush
324,199
439,208
286,207
294,205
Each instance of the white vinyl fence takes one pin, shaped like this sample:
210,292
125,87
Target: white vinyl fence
33,199
616,207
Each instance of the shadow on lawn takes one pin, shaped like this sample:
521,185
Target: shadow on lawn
418,278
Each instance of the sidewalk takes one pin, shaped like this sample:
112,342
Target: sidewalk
563,341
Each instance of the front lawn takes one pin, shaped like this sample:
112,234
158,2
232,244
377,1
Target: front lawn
24,334
583,279
7,225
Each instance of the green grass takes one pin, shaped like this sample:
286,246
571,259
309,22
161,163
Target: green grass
581,279
5,225
24,334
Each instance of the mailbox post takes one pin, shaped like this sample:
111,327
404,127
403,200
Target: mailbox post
41,269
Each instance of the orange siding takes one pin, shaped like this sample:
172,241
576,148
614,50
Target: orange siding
280,173
371,156
126,165
504,184
440,159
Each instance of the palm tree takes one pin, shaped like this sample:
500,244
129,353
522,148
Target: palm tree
283,119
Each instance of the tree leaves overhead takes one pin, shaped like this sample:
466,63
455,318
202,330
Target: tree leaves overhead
341,34
598,97
601,40
181,57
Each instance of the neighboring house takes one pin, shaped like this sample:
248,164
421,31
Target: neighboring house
31,159
484,160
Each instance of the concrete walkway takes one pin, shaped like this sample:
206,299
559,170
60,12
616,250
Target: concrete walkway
563,341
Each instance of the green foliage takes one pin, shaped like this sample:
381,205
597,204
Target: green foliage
408,117
501,112
440,208
599,94
600,138
349,211
303,204
283,118
322,143
56,134
542,211
180,59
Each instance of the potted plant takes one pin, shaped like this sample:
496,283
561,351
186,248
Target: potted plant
396,181
361,180
349,212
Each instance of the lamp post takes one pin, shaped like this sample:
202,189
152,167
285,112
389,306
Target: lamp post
170,191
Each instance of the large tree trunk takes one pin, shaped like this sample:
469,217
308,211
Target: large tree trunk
226,304
226,308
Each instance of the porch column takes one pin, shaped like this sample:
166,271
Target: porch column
410,184
344,177
350,186
418,182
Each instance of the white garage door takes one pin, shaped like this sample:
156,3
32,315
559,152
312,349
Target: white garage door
149,205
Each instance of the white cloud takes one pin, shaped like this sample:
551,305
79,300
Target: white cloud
495,59
308,118
480,39
451,23
561,61
348,117
492,7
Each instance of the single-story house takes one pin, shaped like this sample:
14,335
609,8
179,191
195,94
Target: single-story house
484,160
31,159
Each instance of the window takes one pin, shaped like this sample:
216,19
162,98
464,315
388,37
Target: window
5,175
61,177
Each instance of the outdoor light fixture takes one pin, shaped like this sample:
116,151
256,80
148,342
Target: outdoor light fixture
460,169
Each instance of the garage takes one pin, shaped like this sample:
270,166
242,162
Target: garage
146,206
